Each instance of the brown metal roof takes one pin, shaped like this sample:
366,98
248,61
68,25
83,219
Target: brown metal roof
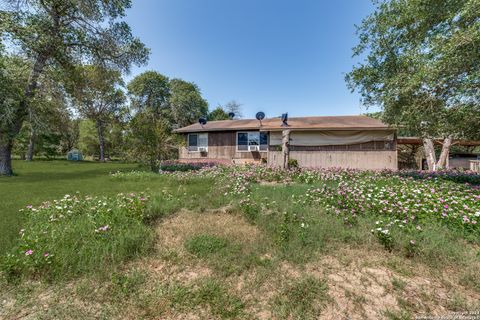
294,123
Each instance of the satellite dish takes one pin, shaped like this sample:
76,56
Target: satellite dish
202,121
284,119
231,115
260,116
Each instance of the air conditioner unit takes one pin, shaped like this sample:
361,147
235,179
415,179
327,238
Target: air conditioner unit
202,149
253,148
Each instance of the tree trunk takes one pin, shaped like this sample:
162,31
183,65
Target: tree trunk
285,149
154,164
430,153
6,158
12,129
101,140
31,146
443,159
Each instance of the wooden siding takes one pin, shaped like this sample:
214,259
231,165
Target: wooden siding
366,146
222,146
366,160
374,155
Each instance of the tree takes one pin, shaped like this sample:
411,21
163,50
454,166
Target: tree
150,91
421,67
12,80
150,141
99,98
45,111
217,114
88,138
235,107
186,102
61,34
149,130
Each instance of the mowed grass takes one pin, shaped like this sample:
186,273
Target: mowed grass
39,181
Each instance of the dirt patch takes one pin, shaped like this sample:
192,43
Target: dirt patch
173,232
365,289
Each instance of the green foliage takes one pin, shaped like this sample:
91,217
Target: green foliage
149,91
292,163
186,102
179,167
149,137
39,181
88,140
77,235
12,81
149,140
56,36
98,98
217,114
301,298
421,65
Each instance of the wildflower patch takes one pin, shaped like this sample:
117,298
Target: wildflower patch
78,234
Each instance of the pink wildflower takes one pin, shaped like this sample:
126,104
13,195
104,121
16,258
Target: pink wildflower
28,252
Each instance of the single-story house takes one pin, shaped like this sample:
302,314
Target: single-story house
357,142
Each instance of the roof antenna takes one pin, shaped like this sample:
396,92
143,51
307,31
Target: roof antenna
260,116
202,121
284,119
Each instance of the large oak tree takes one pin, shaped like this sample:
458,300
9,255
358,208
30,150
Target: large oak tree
421,67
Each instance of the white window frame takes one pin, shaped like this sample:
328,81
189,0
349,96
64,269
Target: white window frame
259,140
198,146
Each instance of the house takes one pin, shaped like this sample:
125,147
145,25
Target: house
358,142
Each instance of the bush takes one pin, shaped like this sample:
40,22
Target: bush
77,235
292,163
172,166
179,167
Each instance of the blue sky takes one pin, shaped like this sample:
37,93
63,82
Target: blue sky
272,56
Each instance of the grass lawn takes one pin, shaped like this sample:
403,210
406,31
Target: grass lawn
39,181
235,243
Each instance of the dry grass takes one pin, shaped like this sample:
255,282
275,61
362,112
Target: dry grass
173,283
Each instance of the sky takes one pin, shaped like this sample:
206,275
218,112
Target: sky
274,56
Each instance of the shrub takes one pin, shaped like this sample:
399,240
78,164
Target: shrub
179,167
292,163
172,166
76,235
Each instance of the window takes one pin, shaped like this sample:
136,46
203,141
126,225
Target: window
245,139
197,140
